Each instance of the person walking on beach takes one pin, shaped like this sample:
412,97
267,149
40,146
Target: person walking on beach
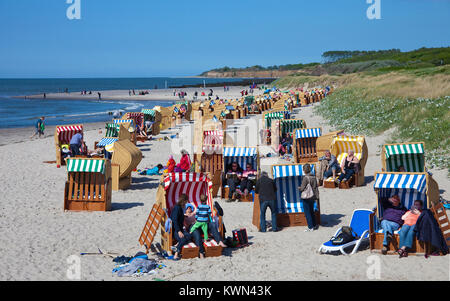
309,193
99,96
40,127
266,189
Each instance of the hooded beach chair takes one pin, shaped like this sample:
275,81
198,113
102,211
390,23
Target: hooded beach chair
360,225
88,187
289,203
210,159
242,156
340,147
270,116
409,155
63,135
137,117
166,117
126,158
305,145
193,185
155,117
409,187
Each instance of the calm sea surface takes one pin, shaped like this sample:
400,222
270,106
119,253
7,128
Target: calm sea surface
16,112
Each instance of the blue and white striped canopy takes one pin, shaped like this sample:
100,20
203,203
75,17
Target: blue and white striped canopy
239,151
282,171
308,133
288,179
401,180
106,141
240,155
118,121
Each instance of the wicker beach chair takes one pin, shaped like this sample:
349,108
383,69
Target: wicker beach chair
288,178
126,158
155,117
409,155
63,135
242,156
210,159
305,145
340,147
193,185
88,187
409,187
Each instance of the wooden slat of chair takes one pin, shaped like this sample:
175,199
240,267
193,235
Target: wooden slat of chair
103,192
87,178
81,186
97,187
71,184
76,187
92,187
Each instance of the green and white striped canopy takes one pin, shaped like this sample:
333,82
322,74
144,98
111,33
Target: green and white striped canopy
409,155
85,165
273,116
289,125
148,112
112,130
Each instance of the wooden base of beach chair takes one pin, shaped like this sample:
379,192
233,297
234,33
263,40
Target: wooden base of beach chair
141,138
312,159
84,204
344,185
249,198
376,245
329,184
212,249
190,251
294,219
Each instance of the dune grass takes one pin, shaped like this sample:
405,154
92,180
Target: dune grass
414,119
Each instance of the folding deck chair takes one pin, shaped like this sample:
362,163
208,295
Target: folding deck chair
360,224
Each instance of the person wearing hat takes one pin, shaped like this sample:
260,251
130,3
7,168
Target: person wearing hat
393,210
185,161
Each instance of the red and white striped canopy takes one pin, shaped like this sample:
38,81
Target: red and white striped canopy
138,117
66,132
212,142
192,184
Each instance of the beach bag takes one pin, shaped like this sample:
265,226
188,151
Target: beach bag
308,193
240,237
345,236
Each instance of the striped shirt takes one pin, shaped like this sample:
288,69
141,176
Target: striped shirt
203,213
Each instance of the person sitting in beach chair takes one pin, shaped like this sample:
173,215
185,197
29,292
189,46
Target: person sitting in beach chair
204,225
248,180
76,143
392,219
349,167
328,167
407,232
233,179
180,234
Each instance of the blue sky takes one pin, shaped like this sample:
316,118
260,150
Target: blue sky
144,38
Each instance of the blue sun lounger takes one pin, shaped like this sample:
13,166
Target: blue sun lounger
360,226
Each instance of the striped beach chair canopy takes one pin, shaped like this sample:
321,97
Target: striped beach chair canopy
409,155
106,141
308,133
341,145
240,155
191,184
276,116
149,112
66,132
112,130
212,142
408,186
120,121
138,118
289,125
86,165
287,179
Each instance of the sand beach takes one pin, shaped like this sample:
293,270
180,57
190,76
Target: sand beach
38,237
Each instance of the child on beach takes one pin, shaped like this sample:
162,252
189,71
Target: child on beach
152,171
203,217
189,216
170,167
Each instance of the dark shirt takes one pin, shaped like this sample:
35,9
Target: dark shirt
392,213
266,189
177,217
